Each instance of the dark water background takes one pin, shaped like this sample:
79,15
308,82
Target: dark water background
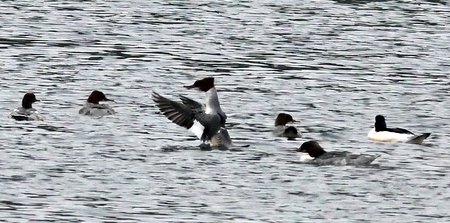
333,65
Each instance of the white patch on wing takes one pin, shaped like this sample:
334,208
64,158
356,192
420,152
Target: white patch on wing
36,116
197,129
385,136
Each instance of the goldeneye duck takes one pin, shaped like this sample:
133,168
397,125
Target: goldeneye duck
27,112
94,108
321,157
206,121
281,128
384,134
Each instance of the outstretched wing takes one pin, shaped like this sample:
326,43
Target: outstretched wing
194,105
176,112
199,107
203,125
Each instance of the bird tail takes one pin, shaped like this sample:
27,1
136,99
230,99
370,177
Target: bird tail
419,139
221,139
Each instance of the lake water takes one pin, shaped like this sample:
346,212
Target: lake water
333,65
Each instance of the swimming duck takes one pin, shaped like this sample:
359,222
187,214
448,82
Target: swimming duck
384,134
206,121
27,112
321,157
93,107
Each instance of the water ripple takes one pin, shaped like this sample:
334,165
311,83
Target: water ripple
333,65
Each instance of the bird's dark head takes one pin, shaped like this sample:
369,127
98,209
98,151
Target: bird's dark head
202,85
312,148
96,97
283,119
28,100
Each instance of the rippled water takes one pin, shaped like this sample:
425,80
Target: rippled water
333,65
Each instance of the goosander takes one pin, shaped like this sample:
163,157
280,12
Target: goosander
384,134
27,112
94,108
321,157
282,130
206,121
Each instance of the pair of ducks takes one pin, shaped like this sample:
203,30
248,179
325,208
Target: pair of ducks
379,133
92,107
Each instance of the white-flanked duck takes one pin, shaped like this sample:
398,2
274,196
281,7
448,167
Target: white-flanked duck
93,107
206,121
281,128
321,157
27,112
384,134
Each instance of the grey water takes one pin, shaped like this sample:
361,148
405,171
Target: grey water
333,65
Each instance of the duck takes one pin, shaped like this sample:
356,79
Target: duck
26,112
206,121
384,134
92,107
282,130
339,158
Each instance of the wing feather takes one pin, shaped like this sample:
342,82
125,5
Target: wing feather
190,114
192,104
176,112
399,130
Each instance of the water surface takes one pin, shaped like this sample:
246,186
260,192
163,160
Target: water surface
333,65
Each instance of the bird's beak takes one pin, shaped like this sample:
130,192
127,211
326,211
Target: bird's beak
189,86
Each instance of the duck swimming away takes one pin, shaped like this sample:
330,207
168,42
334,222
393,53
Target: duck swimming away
384,134
206,121
340,158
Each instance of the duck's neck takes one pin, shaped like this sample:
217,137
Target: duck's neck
212,102
317,152
380,126
278,122
26,105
